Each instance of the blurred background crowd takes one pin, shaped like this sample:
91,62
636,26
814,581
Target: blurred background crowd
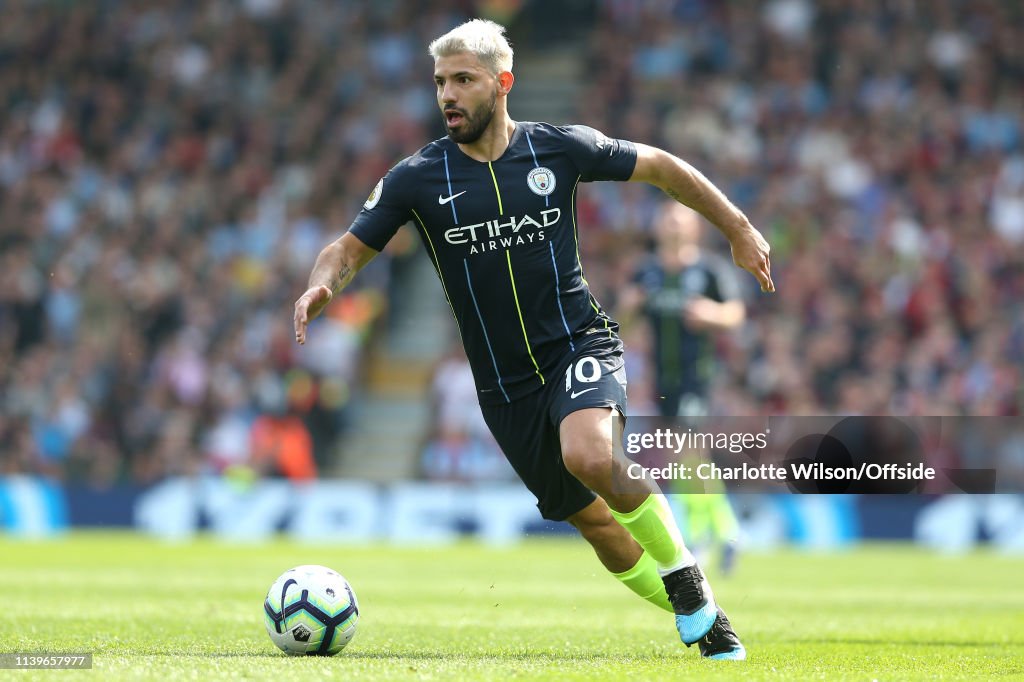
169,171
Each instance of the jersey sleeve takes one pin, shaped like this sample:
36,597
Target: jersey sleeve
386,209
599,157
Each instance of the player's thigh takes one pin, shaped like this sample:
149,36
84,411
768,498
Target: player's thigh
586,437
588,409
531,444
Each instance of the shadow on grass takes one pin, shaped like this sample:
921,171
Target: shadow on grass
451,656
532,656
192,654
561,657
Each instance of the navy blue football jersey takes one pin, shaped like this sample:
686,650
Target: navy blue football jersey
504,240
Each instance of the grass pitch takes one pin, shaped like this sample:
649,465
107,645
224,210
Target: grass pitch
542,610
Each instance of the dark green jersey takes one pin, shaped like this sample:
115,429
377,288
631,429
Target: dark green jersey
683,359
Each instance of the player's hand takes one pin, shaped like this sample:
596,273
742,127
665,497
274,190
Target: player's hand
701,313
750,252
308,307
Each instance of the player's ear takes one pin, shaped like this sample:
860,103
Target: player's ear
505,81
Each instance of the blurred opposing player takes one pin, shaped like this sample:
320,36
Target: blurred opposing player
494,203
688,294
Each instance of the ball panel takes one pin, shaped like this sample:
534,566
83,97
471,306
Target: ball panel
306,630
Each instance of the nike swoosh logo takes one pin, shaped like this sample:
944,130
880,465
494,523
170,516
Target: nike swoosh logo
574,394
444,200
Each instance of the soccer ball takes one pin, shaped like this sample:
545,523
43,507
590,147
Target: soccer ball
311,610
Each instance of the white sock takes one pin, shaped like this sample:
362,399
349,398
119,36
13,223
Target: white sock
686,559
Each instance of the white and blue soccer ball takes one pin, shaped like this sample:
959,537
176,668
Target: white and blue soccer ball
311,610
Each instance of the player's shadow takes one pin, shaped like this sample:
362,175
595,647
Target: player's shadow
228,654
270,653
533,656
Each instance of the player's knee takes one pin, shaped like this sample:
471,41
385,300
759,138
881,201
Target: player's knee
589,465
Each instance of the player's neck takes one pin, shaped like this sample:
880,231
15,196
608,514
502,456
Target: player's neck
494,141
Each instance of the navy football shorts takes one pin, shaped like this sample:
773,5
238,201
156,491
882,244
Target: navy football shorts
527,429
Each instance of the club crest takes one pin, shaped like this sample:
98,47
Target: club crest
541,181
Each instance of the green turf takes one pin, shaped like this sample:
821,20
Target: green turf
543,610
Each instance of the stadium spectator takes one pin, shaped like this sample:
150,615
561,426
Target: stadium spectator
879,148
163,170
281,446
167,168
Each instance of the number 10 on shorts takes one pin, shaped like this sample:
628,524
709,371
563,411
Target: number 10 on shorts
586,370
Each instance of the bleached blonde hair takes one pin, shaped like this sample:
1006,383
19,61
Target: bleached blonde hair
480,37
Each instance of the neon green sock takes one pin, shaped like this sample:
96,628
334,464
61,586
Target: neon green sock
643,579
653,527
723,519
696,519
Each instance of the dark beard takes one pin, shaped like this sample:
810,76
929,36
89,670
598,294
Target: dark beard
474,124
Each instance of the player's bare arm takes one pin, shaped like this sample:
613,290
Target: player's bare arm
704,314
688,186
335,267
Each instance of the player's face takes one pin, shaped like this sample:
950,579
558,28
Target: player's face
467,94
678,227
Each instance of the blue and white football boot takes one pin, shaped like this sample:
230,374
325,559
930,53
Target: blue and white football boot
699,619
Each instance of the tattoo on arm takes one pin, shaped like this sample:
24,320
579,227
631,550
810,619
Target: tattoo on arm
342,278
